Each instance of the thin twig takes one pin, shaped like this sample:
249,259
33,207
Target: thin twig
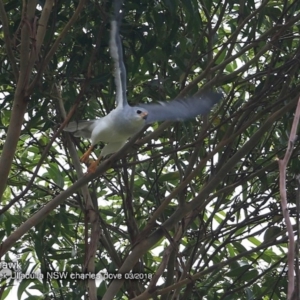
297,265
282,184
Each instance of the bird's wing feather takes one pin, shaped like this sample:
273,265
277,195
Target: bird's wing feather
81,128
181,109
116,52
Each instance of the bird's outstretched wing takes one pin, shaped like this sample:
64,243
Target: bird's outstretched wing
81,128
181,109
116,52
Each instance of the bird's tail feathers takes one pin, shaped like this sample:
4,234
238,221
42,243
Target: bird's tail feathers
80,128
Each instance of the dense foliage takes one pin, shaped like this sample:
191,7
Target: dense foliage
194,205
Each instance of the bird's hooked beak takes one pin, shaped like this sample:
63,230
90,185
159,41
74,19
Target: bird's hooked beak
144,115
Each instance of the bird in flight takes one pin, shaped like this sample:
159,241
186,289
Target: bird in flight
125,120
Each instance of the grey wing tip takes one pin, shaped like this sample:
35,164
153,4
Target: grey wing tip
208,100
212,97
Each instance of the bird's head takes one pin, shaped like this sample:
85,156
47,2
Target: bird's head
141,113
132,117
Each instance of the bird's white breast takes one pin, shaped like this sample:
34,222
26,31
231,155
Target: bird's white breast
115,127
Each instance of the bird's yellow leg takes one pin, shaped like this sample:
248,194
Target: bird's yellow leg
93,166
85,157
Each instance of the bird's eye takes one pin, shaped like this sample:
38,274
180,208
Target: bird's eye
139,112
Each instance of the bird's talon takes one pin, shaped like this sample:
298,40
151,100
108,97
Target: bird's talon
84,158
89,162
92,167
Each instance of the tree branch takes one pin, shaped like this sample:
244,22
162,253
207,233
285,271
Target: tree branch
41,31
282,183
57,43
92,211
43,212
20,101
197,202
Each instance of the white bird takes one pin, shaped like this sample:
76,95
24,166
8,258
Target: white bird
125,120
